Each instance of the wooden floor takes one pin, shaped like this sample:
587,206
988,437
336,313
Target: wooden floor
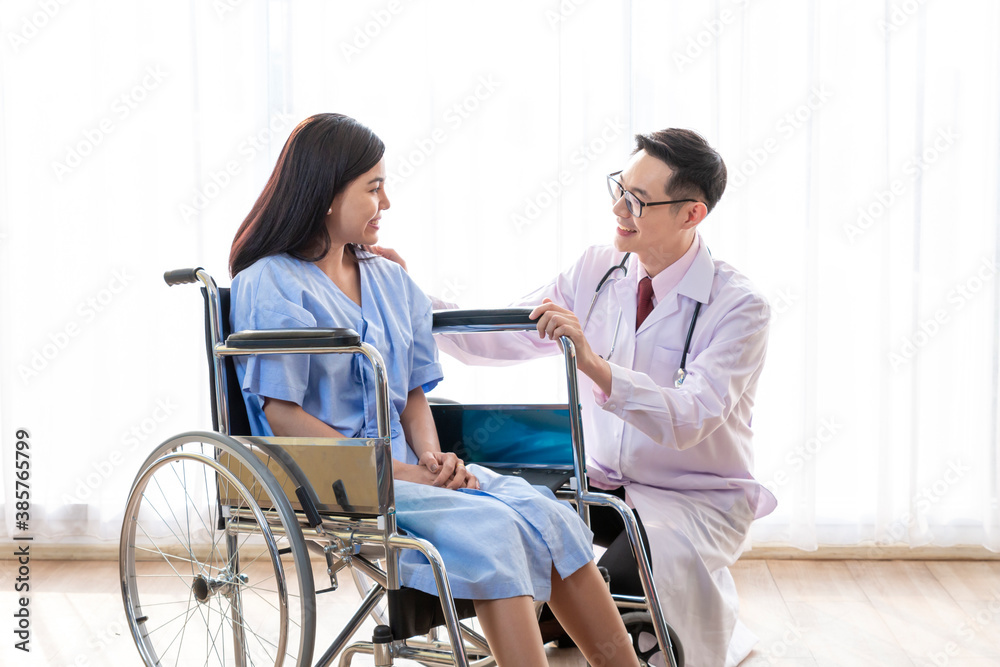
806,613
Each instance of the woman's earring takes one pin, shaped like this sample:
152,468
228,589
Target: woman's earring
329,210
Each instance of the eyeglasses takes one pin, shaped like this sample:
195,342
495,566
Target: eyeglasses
633,203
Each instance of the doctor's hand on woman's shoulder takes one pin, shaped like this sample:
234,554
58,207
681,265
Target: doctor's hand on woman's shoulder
554,322
387,253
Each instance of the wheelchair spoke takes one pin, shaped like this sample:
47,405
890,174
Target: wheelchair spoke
277,543
226,620
213,640
212,637
216,550
165,560
166,555
214,508
190,500
165,522
180,633
183,630
209,644
260,641
187,516
229,560
266,601
147,605
174,516
256,587
184,613
253,495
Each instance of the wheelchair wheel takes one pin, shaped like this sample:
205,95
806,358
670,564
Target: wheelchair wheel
639,625
214,569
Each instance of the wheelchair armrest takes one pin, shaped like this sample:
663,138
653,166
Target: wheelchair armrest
495,319
300,338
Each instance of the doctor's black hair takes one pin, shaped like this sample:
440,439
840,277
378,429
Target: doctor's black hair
323,154
699,172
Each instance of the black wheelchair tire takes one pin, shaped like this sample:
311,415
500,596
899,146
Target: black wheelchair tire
638,622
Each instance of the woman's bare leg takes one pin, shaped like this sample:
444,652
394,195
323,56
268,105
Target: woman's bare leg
587,613
511,629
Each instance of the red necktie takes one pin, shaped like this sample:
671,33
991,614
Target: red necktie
645,304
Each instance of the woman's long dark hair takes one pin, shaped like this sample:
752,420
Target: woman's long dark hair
324,153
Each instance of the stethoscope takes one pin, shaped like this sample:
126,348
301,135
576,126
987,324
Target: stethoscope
682,372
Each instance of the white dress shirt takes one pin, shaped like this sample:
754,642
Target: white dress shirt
647,431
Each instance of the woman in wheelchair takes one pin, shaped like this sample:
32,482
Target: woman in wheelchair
298,261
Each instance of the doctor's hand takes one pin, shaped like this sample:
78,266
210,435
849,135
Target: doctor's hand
388,253
554,322
448,471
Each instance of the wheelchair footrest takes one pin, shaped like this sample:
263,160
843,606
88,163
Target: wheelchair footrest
413,612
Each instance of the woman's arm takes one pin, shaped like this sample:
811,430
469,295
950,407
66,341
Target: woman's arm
290,420
421,434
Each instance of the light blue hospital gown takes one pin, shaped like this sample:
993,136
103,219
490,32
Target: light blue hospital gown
476,532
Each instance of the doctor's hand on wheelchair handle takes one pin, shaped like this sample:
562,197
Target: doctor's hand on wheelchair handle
554,322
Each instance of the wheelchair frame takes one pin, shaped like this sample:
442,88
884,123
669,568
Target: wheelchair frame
246,471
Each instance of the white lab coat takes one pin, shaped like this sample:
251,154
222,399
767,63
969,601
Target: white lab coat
683,454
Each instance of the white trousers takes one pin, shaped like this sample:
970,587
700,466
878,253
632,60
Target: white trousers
694,537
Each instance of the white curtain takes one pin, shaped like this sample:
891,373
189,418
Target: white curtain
863,148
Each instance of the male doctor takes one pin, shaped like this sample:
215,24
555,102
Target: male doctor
670,433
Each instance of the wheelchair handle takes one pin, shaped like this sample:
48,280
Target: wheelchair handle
181,276
495,319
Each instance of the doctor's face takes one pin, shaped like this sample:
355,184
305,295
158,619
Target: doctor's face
662,233
356,211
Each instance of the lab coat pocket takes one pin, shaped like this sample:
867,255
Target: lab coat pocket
665,363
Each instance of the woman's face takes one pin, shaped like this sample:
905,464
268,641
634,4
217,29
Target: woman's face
355,212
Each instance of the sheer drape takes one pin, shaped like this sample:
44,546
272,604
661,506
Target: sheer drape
116,136
862,142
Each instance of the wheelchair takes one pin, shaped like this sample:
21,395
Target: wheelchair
219,529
